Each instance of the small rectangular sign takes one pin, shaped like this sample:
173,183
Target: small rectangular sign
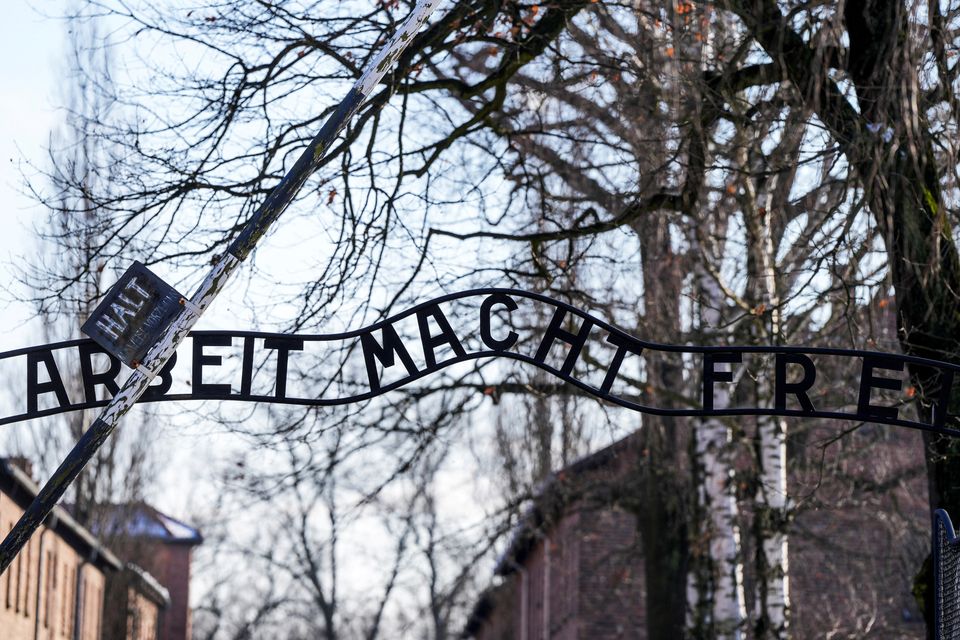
133,315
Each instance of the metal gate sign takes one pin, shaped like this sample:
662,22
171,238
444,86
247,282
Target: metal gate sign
575,346
143,321
133,315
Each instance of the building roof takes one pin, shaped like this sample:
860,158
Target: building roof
482,610
149,586
22,489
140,520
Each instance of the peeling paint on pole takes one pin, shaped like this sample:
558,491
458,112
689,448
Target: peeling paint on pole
179,326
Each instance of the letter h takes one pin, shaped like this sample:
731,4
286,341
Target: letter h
575,340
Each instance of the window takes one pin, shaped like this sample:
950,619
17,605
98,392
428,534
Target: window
90,621
86,609
10,581
26,576
54,592
16,602
48,601
71,603
65,600
97,607
135,623
81,622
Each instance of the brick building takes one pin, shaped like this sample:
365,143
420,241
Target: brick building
145,601
56,586
163,546
67,584
574,568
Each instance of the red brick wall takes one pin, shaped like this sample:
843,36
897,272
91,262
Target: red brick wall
861,530
170,565
583,580
611,580
142,617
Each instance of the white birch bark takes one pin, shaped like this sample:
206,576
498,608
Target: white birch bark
774,589
716,596
722,597
772,595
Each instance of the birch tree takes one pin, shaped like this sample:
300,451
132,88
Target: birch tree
716,598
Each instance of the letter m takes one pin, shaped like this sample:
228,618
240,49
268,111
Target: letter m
392,345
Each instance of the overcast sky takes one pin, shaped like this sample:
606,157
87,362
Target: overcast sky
30,65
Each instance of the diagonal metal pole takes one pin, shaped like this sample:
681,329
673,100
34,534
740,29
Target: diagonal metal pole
166,346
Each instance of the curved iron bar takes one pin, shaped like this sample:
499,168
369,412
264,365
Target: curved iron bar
567,377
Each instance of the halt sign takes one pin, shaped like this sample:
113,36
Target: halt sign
133,315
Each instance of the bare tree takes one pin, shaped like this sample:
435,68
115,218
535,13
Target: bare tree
743,170
70,239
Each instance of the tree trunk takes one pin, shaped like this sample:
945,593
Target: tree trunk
715,598
902,183
662,506
772,577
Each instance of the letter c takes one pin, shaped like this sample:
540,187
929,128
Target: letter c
485,335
